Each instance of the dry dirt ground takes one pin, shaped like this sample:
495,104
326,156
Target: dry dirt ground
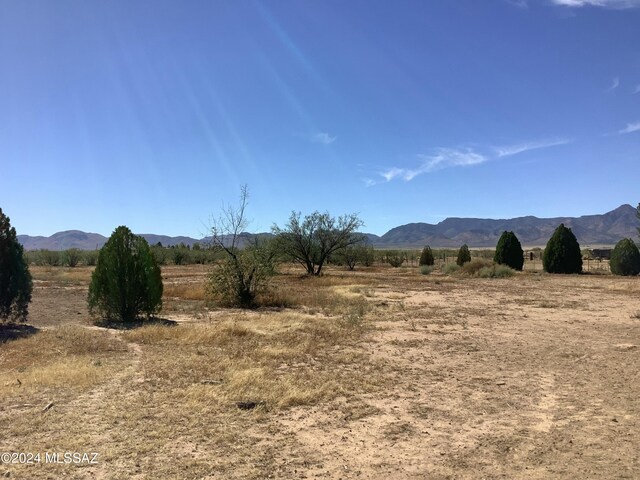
378,373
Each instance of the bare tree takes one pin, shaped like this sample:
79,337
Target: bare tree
248,262
310,241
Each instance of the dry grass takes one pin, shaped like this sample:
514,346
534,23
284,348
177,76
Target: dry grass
70,357
62,275
366,374
185,291
276,360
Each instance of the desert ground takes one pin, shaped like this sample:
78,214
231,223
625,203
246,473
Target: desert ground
377,373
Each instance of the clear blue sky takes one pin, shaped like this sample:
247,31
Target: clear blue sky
151,113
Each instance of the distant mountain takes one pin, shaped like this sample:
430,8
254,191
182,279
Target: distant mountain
605,229
91,241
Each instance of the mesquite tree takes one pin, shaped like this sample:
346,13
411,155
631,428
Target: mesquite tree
310,241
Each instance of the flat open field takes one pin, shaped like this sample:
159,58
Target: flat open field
377,373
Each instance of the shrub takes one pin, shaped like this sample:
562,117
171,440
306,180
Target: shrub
71,257
496,271
395,258
464,255
15,279
237,280
450,268
48,258
243,273
562,253
426,257
426,269
625,258
90,258
472,267
509,251
126,281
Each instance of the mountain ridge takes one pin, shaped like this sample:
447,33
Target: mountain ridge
599,229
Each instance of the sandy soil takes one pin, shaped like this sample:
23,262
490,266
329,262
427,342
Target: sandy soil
535,376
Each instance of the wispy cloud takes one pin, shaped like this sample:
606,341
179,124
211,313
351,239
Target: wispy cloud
630,128
518,3
508,150
322,137
636,90
615,83
457,157
614,4
442,158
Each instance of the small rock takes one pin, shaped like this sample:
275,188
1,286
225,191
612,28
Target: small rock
211,382
248,405
501,383
49,405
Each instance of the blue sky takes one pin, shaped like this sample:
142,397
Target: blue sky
151,114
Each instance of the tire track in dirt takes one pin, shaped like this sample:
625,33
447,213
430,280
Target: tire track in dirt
100,425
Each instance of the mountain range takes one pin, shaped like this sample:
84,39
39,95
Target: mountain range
590,230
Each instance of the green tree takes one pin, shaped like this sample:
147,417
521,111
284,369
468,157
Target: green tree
464,255
15,278
509,251
562,253
426,257
312,240
126,281
625,258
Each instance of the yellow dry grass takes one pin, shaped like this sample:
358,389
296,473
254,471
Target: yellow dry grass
70,357
185,291
62,275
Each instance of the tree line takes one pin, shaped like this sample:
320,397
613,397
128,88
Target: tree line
126,282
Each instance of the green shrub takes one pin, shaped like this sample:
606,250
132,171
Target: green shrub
239,279
426,269
48,258
464,255
450,268
71,257
426,257
395,258
496,271
90,258
126,281
625,258
509,251
562,253
15,279
472,267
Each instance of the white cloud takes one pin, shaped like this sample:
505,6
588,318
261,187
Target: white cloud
630,128
518,3
442,158
323,137
509,150
462,157
369,182
615,83
615,4
636,90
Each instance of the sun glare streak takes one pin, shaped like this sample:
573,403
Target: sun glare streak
208,130
291,47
